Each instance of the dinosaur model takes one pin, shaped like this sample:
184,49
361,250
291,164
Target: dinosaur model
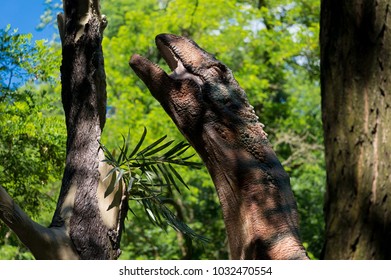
212,111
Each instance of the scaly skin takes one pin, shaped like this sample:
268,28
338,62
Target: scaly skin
212,111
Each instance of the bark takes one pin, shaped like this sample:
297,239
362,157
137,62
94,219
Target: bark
93,230
88,221
356,96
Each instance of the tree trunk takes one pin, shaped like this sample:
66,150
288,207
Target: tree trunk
93,230
356,96
87,222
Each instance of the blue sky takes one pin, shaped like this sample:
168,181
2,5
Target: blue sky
24,15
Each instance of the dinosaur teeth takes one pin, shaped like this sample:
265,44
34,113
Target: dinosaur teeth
181,73
168,55
173,57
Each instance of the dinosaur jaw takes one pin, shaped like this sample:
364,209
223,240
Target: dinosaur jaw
181,70
187,61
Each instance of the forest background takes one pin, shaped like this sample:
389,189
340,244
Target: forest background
271,46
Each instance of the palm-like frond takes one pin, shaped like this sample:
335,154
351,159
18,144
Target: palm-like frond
149,174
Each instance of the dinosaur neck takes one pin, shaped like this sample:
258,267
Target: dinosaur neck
258,206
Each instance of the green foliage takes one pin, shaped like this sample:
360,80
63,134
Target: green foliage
13,61
149,176
20,62
32,130
13,252
48,18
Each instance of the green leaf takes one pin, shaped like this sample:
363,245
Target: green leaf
112,184
108,156
168,175
150,214
158,149
109,173
179,225
177,150
117,199
156,171
123,150
153,145
163,173
130,183
119,177
177,175
140,142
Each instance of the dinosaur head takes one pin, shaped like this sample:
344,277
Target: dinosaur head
201,91
186,93
185,58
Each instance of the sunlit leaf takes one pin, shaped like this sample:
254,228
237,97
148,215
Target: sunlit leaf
153,145
158,149
177,175
140,142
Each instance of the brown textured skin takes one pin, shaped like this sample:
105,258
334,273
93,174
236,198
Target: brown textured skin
213,113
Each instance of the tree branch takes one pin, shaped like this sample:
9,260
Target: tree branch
43,243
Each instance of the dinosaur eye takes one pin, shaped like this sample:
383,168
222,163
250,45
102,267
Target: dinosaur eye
223,67
219,69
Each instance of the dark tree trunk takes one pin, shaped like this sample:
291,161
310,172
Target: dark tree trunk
356,96
87,222
84,100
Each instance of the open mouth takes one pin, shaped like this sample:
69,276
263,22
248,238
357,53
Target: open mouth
168,54
174,61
